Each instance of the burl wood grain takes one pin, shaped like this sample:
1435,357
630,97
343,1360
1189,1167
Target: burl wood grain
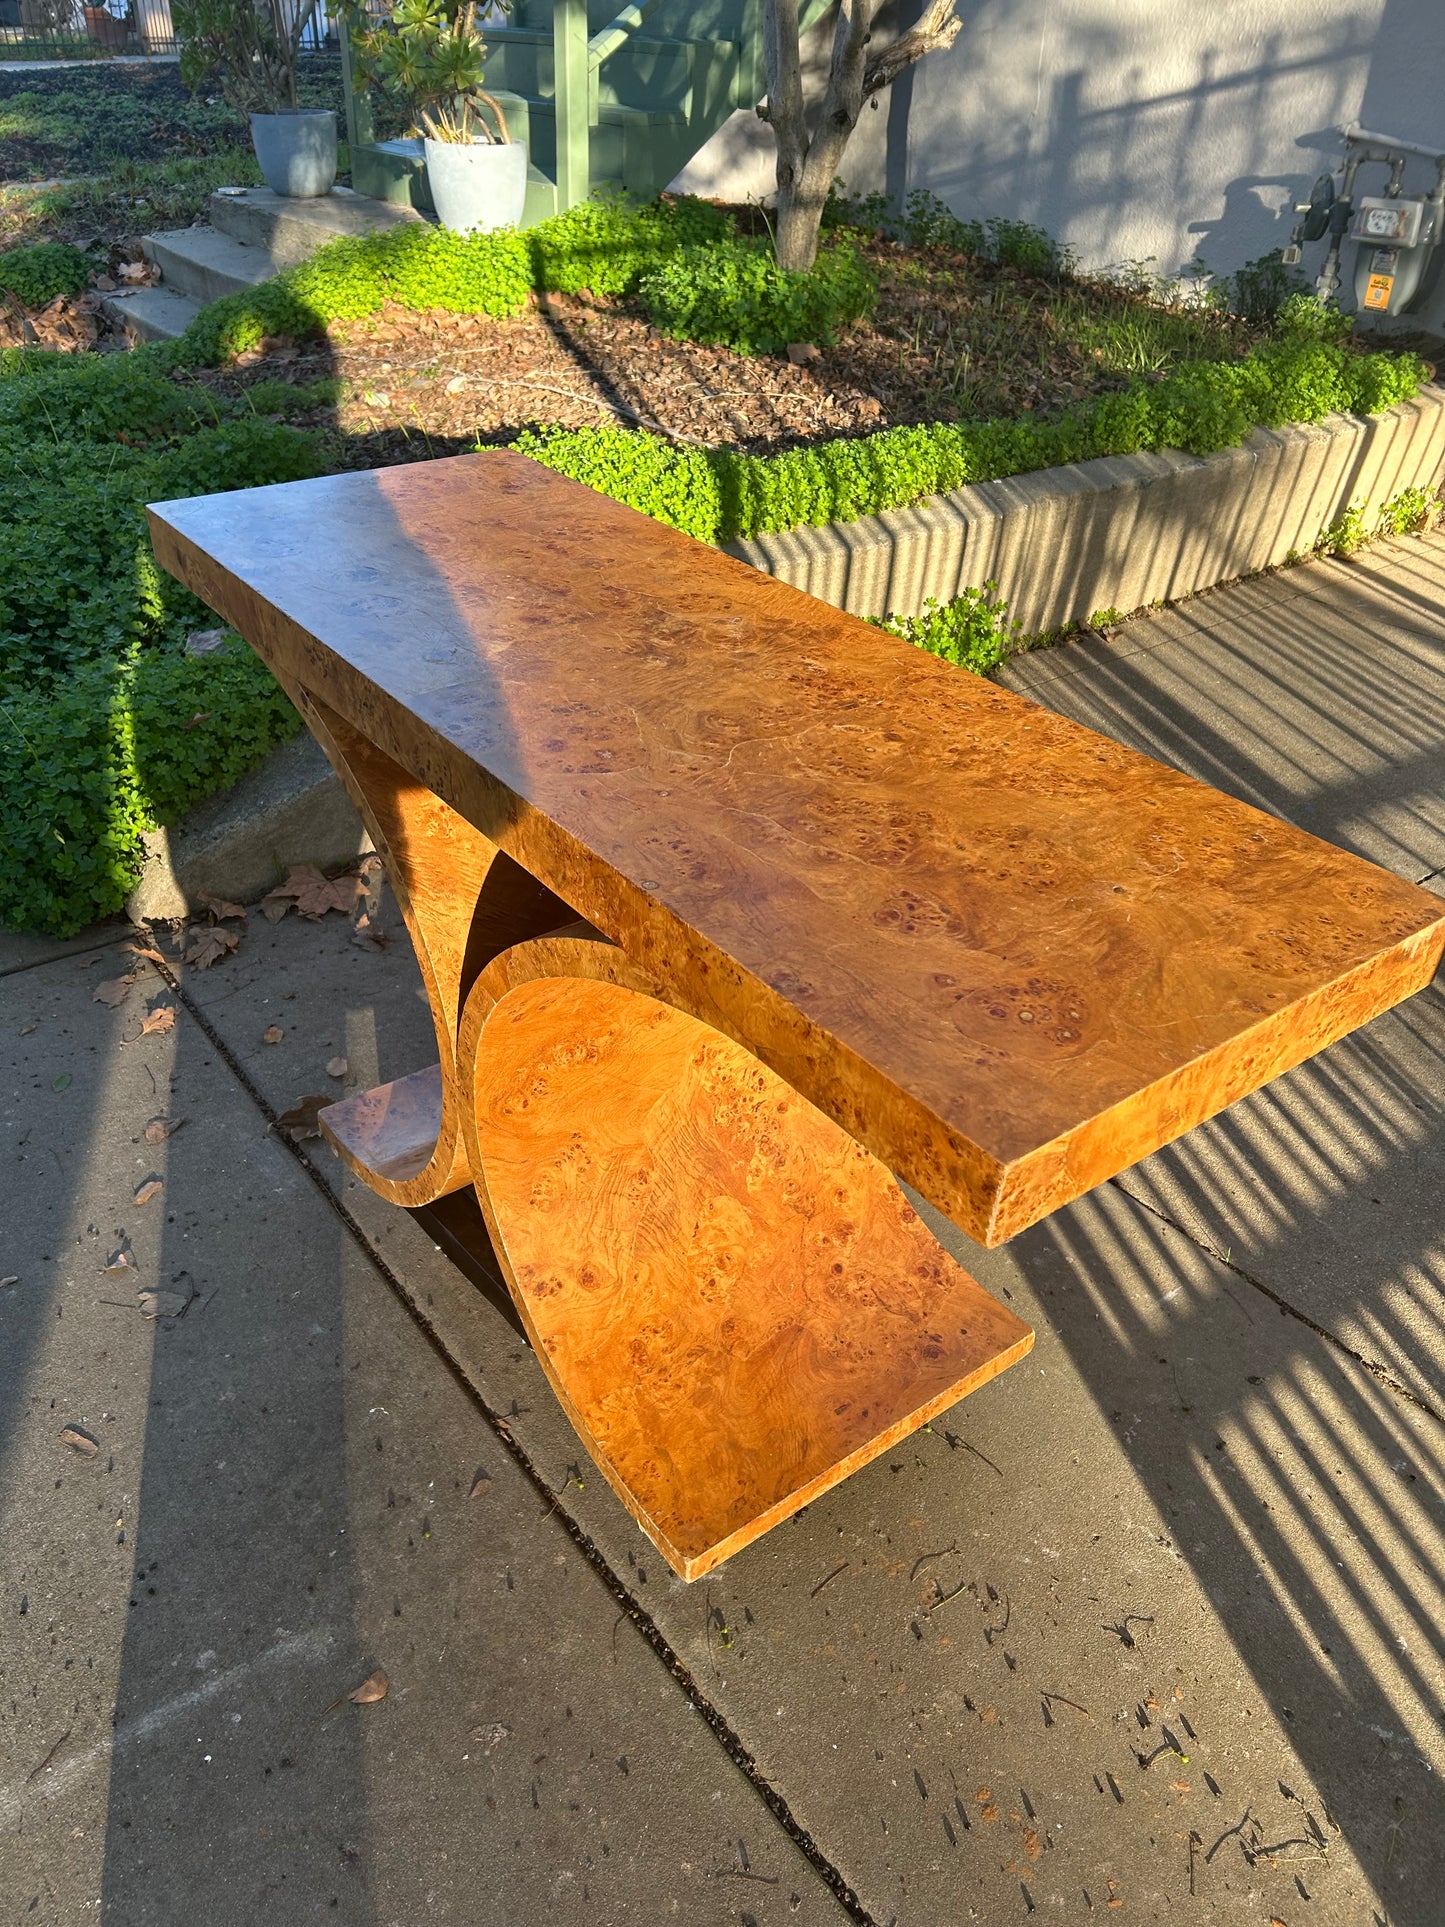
463,900
734,1301
1005,954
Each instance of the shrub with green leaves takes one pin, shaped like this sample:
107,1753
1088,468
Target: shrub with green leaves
973,631
733,294
929,222
720,495
679,257
605,246
109,727
602,246
38,275
416,266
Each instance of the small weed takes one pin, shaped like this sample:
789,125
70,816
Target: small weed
1407,513
1106,618
973,631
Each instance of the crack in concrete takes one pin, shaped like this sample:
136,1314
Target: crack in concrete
722,1729
1376,1370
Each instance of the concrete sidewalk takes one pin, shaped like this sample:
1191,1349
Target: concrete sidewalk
1147,1629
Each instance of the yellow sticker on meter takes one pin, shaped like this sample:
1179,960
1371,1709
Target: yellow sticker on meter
1377,290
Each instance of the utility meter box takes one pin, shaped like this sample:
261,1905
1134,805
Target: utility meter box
1396,223
1395,239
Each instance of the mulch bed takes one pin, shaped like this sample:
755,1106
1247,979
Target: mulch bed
458,379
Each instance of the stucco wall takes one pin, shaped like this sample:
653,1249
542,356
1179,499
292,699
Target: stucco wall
1139,128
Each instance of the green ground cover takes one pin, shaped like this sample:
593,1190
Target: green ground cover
86,120
130,149
109,726
113,728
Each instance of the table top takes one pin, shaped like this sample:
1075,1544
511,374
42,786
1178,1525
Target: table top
1010,956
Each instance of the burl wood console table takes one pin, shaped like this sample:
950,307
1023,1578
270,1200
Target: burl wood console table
730,906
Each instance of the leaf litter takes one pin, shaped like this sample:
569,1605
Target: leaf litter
79,1441
310,892
219,908
148,1188
161,1128
301,1120
208,943
374,1687
112,992
156,1301
159,1022
272,1034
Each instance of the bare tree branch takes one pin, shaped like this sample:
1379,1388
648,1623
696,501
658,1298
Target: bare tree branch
935,33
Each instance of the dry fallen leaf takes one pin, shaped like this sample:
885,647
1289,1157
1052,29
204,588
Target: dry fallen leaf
26,1029
368,935
12,1279
160,1128
802,352
205,642
337,1067
79,1441
119,1261
300,1120
156,1302
219,907
480,1484
456,384
151,1188
113,991
371,1690
272,1034
312,893
144,950
157,1022
208,944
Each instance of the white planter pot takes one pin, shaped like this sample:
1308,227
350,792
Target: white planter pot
296,152
478,185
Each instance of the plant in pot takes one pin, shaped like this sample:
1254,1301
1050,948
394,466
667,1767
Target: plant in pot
429,57
254,48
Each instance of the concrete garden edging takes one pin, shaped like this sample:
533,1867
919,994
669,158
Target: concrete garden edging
1122,532
1118,533
237,844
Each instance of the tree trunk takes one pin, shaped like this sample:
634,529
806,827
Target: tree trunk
807,168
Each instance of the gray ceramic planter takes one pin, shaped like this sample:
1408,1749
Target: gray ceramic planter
477,185
296,152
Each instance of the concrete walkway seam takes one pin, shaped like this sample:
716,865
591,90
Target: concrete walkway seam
1370,1365
723,1731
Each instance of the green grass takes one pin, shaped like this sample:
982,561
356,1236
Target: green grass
54,49
84,121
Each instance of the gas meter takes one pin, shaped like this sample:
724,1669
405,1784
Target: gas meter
1397,236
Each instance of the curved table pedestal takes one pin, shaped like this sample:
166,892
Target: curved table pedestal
734,1302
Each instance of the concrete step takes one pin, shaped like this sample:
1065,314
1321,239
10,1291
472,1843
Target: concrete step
204,264
152,314
291,231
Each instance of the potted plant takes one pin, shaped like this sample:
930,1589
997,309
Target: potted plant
254,47
430,59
